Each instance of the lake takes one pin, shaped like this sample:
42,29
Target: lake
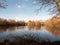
25,32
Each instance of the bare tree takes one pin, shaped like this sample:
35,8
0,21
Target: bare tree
3,4
46,3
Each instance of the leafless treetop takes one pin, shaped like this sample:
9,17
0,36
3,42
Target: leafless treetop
54,5
3,4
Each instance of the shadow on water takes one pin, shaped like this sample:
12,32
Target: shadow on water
24,35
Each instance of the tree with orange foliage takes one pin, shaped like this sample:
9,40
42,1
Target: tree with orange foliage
11,22
53,24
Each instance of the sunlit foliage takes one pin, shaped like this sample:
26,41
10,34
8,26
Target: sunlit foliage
34,25
53,24
10,22
22,23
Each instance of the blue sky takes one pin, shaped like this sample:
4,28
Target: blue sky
23,10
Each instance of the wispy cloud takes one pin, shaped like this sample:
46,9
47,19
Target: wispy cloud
34,1
20,6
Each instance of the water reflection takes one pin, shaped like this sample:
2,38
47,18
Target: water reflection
33,27
2,29
21,27
29,32
55,32
13,28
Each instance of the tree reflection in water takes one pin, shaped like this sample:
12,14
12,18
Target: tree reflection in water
2,29
33,27
21,27
13,28
22,41
55,32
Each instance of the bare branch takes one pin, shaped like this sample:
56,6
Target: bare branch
54,5
3,4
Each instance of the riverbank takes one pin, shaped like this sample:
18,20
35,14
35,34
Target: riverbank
29,42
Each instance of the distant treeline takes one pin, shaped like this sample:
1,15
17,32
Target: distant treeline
51,24
10,22
34,23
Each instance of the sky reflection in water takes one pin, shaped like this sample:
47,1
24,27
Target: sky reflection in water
27,33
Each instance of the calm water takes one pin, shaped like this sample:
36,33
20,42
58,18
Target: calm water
24,32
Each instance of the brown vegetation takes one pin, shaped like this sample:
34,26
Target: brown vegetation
34,24
22,23
53,24
10,22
